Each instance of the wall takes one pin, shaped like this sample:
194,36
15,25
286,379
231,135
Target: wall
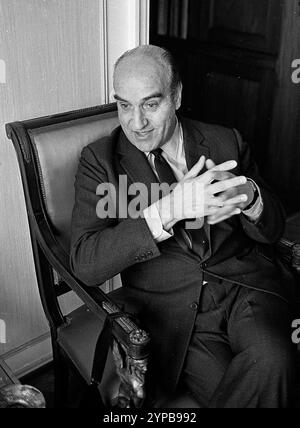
58,56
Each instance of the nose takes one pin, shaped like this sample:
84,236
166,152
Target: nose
139,121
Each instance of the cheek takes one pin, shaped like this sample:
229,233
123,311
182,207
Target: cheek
163,121
123,119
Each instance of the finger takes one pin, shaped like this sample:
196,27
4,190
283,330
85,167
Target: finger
228,194
212,175
221,186
226,166
236,200
212,211
220,212
194,172
210,164
213,201
224,211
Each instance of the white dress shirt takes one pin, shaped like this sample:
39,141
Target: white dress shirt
174,154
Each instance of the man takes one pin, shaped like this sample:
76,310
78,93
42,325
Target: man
214,299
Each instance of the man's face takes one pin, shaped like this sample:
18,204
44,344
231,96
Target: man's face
147,110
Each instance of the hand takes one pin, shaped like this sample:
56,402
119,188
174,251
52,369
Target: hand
195,196
235,200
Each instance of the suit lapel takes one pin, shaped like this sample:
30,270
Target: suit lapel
136,166
194,144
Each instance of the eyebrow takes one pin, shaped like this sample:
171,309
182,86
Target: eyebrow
155,95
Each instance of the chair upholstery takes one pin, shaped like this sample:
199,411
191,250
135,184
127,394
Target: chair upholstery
57,149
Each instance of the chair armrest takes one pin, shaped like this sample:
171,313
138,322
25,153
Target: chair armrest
124,328
290,253
131,346
289,245
21,396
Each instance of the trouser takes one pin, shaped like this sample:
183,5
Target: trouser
241,353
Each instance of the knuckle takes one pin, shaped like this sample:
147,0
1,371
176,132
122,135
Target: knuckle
209,175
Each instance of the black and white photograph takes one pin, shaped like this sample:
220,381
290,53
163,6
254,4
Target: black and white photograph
150,207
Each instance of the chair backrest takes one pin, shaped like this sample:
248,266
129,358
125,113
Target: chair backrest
55,144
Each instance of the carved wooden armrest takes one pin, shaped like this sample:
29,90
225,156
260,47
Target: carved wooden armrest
21,396
290,252
289,245
131,350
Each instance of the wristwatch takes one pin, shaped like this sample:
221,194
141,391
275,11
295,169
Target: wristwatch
256,194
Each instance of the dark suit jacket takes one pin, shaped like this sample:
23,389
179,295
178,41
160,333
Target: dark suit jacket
162,282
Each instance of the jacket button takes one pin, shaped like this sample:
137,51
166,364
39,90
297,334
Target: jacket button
204,266
137,259
150,254
194,306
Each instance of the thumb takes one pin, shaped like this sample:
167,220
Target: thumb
210,164
194,172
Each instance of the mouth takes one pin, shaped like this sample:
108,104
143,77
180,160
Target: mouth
143,134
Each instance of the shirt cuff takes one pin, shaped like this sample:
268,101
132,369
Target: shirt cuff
152,217
255,212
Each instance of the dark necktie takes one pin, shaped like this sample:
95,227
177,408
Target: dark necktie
163,169
196,236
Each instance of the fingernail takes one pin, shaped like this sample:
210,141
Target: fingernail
244,198
243,180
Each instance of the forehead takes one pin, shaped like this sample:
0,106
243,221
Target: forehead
139,78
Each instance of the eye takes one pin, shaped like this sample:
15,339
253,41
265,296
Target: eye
152,105
124,106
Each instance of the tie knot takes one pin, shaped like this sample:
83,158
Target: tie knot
157,153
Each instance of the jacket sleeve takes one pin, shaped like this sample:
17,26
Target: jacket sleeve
103,247
270,226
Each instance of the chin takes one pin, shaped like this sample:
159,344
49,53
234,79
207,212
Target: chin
145,146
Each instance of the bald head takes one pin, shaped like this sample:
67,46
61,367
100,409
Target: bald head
150,59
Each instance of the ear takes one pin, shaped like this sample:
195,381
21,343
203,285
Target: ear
178,97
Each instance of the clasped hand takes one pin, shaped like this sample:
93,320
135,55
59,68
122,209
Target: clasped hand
215,195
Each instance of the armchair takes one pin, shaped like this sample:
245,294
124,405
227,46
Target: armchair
48,151
289,245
